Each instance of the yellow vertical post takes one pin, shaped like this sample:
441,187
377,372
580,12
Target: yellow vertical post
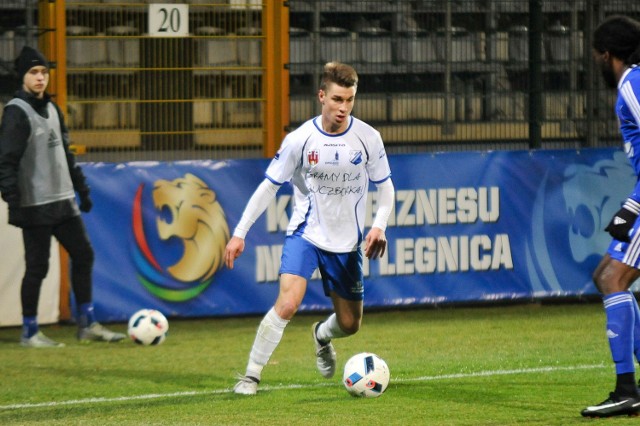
275,53
52,42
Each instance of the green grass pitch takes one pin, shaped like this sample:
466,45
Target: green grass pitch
510,365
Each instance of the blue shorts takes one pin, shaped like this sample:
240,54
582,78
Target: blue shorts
627,253
340,272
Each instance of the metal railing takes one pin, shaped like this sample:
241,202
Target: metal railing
434,74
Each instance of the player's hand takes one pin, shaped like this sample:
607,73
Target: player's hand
12,199
375,243
85,201
234,249
621,224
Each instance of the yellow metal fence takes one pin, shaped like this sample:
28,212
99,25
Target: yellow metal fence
434,75
165,97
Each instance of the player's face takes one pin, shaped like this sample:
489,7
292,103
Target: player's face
604,62
36,80
337,103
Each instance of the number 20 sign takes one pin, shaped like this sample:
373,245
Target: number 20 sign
168,20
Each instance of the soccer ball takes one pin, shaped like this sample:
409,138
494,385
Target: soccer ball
366,375
148,327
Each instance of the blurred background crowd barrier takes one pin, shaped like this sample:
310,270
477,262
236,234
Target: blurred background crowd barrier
435,75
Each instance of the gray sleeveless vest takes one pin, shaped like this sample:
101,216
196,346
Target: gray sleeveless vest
43,175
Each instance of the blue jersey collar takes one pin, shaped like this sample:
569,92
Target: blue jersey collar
319,127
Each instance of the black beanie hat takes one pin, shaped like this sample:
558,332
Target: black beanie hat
29,58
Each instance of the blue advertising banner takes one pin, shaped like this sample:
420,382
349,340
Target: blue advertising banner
466,227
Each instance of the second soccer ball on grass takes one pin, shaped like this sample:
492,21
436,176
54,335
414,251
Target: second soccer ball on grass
148,327
366,375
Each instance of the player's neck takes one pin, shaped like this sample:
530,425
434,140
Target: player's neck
333,128
619,68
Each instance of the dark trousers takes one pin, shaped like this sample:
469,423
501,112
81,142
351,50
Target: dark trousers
72,235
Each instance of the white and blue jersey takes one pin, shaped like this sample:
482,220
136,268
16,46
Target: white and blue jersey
330,175
628,112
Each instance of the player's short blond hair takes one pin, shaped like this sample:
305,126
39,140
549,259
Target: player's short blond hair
336,72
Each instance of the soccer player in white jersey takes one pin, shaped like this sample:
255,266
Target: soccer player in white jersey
329,160
616,52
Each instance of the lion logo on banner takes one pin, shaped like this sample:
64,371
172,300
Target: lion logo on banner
189,211
591,194
198,220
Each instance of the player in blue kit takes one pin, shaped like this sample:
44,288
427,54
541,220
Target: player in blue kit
616,52
329,160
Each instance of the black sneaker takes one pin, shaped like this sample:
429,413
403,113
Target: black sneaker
614,406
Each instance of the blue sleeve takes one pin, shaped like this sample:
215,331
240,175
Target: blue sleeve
635,195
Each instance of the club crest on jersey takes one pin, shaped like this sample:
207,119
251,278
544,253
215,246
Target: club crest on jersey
355,157
335,161
313,157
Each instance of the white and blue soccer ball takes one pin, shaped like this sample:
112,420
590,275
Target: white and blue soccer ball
366,375
148,327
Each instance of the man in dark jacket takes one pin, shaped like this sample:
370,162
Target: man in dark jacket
38,180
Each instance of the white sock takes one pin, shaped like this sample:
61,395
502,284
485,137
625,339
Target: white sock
267,339
329,329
